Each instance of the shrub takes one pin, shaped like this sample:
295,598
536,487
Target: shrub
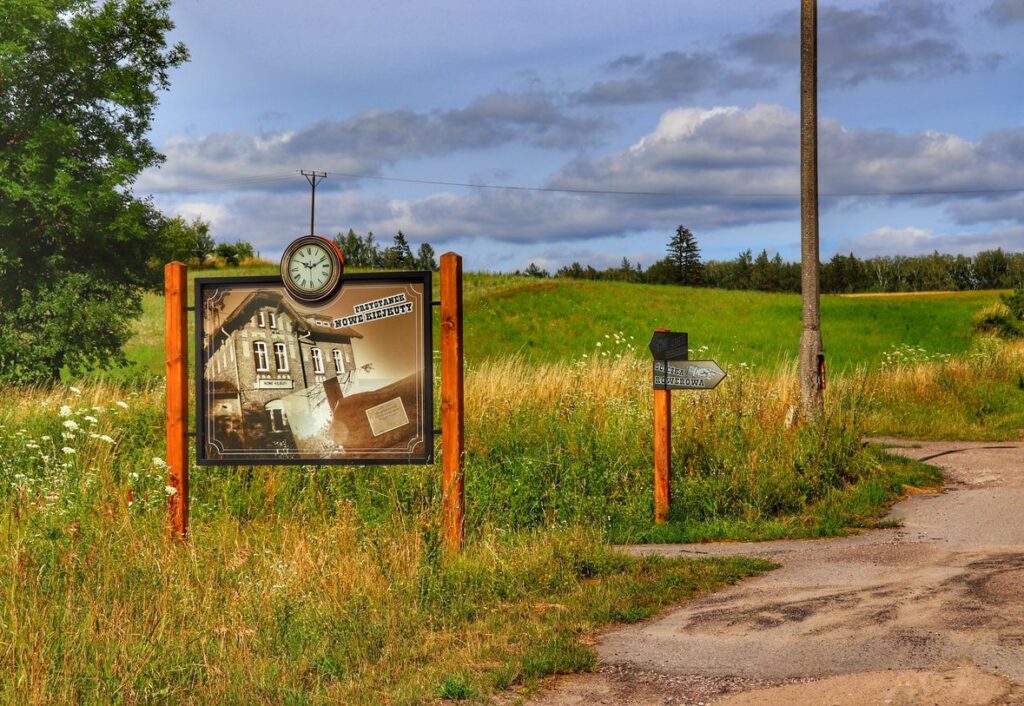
998,320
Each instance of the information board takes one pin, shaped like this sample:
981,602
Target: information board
348,380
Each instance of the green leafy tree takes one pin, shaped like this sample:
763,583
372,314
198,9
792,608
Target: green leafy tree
992,268
234,253
187,241
744,271
358,251
78,86
425,258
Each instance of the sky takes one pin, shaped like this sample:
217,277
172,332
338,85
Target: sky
550,131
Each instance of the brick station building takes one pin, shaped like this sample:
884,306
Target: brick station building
273,376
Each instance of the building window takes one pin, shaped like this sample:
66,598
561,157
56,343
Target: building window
281,357
259,348
339,361
262,319
318,361
273,321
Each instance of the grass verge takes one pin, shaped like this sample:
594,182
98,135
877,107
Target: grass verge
106,610
862,505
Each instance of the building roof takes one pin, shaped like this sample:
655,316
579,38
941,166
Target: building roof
318,329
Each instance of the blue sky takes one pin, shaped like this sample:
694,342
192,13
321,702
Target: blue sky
694,104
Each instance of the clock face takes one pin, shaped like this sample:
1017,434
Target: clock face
310,268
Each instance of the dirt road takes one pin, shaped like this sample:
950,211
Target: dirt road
929,613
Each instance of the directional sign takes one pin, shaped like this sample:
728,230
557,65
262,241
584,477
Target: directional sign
669,345
687,374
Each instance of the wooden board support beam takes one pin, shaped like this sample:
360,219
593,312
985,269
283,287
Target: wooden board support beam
176,344
452,402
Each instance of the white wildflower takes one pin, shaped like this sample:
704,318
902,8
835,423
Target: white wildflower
75,390
71,424
106,438
30,445
67,435
91,420
159,462
68,450
170,490
122,404
64,411
45,438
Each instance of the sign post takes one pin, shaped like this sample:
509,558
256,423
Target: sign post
452,405
664,345
672,370
176,345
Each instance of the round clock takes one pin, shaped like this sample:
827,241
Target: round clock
311,268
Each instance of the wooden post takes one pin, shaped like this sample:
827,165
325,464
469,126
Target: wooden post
662,452
452,405
176,343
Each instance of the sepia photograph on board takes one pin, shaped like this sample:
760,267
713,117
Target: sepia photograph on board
346,380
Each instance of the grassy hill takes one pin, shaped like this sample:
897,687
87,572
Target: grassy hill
556,319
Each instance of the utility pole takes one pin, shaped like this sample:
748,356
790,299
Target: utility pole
812,361
313,178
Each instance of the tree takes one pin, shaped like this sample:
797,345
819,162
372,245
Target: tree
685,257
992,269
744,270
186,241
399,255
359,252
78,85
234,253
425,259
534,271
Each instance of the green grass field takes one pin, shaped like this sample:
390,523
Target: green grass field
556,319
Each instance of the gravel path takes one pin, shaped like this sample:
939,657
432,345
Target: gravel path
931,612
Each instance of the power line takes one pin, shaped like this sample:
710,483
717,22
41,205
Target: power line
227,184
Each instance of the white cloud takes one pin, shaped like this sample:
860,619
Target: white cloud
896,40
709,168
363,143
910,240
216,214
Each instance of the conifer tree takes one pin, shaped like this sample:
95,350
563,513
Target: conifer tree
684,254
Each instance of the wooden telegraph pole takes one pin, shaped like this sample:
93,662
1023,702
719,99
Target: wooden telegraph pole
452,408
811,358
176,345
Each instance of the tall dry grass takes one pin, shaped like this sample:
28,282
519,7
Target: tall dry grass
330,586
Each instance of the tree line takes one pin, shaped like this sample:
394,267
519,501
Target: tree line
842,274
366,253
